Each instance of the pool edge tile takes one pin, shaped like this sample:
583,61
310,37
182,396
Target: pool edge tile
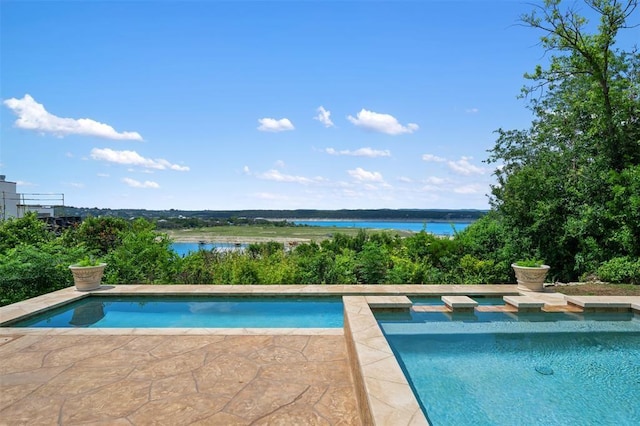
377,405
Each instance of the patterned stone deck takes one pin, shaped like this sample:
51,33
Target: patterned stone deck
176,380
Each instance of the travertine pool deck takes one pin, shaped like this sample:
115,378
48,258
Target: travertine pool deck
226,376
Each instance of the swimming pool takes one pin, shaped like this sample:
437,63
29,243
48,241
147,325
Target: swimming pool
498,368
192,312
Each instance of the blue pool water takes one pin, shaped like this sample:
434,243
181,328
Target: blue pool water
193,312
496,369
437,228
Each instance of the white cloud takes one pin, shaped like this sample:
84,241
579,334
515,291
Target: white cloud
246,170
280,164
469,189
433,158
365,176
405,179
277,176
103,175
383,123
79,185
33,116
25,183
137,184
435,180
273,125
464,167
134,159
324,117
472,110
361,152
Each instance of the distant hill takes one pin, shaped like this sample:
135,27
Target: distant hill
444,215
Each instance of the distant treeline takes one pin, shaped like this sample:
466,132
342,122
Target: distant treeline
371,214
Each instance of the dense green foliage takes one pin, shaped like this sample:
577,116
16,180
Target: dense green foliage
136,253
569,186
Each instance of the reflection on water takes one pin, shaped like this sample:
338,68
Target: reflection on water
87,314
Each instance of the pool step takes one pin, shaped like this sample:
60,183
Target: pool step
524,303
459,303
603,303
389,303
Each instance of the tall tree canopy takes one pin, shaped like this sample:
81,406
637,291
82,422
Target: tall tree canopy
569,186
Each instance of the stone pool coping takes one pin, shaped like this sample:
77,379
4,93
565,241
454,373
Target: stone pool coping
384,394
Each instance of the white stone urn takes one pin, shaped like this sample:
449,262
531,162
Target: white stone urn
87,278
530,278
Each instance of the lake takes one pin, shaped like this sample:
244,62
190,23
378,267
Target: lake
185,248
437,228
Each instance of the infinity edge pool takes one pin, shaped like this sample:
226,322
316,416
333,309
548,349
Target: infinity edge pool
384,394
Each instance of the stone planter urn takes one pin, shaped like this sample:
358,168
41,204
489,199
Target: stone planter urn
530,278
87,278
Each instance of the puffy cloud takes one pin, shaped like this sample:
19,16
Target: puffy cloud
33,116
137,184
273,125
132,158
278,176
324,117
433,158
433,180
469,189
365,176
464,167
361,152
383,123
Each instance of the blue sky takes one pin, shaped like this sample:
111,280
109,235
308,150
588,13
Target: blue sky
260,105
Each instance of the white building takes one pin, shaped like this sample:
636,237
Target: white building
8,199
13,204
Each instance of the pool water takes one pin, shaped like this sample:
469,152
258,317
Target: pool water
193,312
501,369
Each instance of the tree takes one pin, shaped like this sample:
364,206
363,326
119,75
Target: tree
560,181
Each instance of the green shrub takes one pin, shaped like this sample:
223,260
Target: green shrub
87,261
530,263
27,230
620,270
99,234
31,270
142,257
